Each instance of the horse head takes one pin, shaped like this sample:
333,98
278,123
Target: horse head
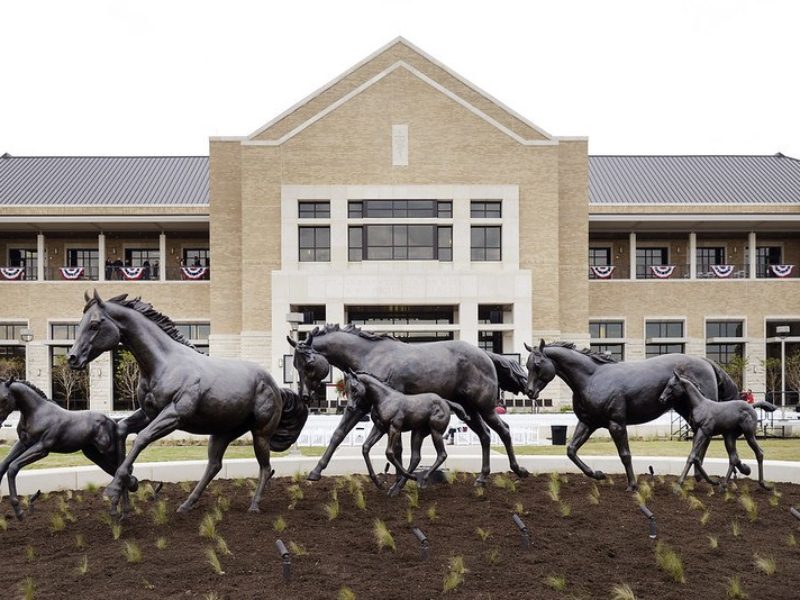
356,391
676,388
541,370
7,403
312,368
96,334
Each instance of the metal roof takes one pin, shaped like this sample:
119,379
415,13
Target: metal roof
103,180
712,179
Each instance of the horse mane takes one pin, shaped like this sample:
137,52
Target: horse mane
35,389
352,330
145,309
598,357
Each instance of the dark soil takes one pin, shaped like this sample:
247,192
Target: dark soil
595,548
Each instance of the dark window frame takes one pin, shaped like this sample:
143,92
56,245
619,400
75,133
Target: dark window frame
480,252
313,209
599,330
664,326
318,250
400,209
439,251
486,209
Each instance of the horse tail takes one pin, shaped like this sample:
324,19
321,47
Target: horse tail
511,376
293,418
458,409
726,388
767,406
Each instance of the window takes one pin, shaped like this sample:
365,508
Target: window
606,329
709,256
315,244
11,331
485,209
485,243
401,315
25,258
652,350
194,331
196,257
70,387
599,257
490,314
400,242
308,209
421,337
491,341
615,351
12,361
312,315
136,257
400,209
724,329
88,258
766,256
63,331
649,257
664,329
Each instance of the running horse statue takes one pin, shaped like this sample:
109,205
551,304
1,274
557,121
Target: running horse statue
455,370
182,388
613,395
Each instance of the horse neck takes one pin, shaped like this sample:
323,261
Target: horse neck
376,390
25,399
151,346
693,395
573,367
343,350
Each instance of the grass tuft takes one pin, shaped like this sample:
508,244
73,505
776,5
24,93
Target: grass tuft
345,593
556,582
594,494
695,503
493,556
565,509
224,503
383,537
480,492
431,513
299,476
455,574
116,530
213,560
765,564
208,527
212,596
30,553
750,507
91,487
3,523
713,542
28,588
735,590
554,487
160,513
279,524
409,516
412,495
132,552
622,591
145,492
736,529
296,549
80,541
83,566
295,495
222,546
484,534
332,508
791,541
670,562
504,482
161,543
57,522
359,499
704,519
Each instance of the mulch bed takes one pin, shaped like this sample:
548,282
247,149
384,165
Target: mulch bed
595,548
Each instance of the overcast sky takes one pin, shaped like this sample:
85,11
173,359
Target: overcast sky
639,77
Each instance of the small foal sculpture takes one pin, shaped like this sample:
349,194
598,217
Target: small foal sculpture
729,419
45,427
393,412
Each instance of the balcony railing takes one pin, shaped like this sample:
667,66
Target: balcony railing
71,273
112,273
785,271
681,271
198,273
728,271
609,272
10,273
662,271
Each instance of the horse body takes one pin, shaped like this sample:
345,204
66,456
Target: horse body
614,395
454,370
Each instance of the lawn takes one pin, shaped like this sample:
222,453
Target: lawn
774,449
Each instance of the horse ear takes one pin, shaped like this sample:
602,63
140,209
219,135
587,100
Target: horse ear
528,348
541,344
99,300
292,343
86,296
119,298
12,379
675,372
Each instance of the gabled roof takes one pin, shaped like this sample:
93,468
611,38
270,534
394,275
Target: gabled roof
399,53
103,180
715,179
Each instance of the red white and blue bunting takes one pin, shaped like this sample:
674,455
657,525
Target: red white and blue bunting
194,272
602,272
132,273
71,273
782,270
722,271
12,273
662,271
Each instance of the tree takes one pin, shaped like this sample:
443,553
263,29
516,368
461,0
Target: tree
772,368
69,382
12,366
736,368
126,377
793,372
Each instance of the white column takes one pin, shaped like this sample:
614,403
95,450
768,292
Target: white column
101,256
751,243
693,255
40,257
632,248
162,256
468,322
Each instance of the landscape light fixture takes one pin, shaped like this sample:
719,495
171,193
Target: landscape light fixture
26,335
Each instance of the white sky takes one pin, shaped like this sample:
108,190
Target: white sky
638,77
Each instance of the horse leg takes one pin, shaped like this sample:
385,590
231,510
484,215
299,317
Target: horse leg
16,451
395,433
478,425
417,437
400,479
694,454
349,420
751,441
619,433
265,472
494,421
30,455
441,453
106,459
582,433
698,461
165,423
374,436
217,444
124,427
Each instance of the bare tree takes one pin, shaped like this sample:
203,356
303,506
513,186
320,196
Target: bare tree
793,372
126,377
12,367
69,382
736,368
772,368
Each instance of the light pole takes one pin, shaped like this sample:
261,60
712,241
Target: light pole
294,319
783,332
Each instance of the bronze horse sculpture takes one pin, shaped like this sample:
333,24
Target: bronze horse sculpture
729,419
181,388
455,370
393,413
613,395
45,427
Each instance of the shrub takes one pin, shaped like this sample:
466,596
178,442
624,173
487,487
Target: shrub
765,564
455,574
208,527
750,507
132,552
670,562
556,582
713,542
57,523
297,549
622,591
213,560
28,588
735,589
279,524
383,537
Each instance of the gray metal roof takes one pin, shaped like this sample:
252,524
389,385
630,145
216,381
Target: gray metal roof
98,180
773,179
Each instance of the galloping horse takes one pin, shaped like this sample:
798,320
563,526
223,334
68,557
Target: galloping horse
45,427
181,388
454,370
614,395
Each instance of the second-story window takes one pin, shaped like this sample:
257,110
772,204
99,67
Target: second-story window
664,337
314,244
400,242
485,209
314,209
486,243
607,337
400,209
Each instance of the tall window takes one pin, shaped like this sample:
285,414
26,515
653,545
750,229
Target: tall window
312,314
12,351
70,388
143,257
766,256
485,209
649,257
599,257
400,209
401,315
314,209
88,258
485,243
315,244
197,257
607,338
727,349
491,341
707,257
670,334
400,242
25,258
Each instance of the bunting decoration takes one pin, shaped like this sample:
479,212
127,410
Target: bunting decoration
132,273
194,272
782,270
12,273
662,271
71,273
722,271
602,272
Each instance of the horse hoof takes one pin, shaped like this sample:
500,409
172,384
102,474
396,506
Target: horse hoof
521,472
394,491
765,486
254,509
20,515
133,484
314,476
743,469
480,481
599,475
632,487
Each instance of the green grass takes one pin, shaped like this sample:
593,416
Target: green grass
783,449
